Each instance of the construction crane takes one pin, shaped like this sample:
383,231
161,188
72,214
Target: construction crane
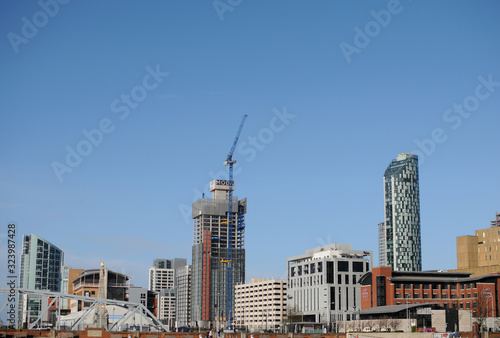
229,162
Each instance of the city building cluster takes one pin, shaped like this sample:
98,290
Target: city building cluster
330,288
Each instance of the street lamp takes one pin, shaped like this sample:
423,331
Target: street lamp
407,314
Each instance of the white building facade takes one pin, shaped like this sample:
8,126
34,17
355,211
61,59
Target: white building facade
261,305
323,283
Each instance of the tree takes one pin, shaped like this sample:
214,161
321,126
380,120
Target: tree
483,308
394,324
293,315
384,323
368,324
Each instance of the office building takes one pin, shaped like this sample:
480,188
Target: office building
479,254
40,269
218,255
162,281
162,273
261,305
402,214
183,296
139,295
166,307
323,283
384,287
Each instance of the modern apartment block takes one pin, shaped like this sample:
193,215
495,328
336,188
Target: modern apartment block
162,280
323,282
479,254
402,214
41,263
218,262
183,296
166,307
40,269
162,273
261,305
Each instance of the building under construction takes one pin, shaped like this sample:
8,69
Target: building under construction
218,248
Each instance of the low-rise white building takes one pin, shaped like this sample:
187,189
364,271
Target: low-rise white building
323,283
260,304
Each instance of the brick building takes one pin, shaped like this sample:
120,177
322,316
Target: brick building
382,286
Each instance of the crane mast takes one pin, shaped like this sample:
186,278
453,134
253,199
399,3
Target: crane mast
229,162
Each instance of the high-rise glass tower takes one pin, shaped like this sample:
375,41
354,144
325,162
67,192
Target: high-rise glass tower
402,214
41,263
40,269
211,257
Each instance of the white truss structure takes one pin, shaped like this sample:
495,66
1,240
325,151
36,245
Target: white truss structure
96,304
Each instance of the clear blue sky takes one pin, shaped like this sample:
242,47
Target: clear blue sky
167,83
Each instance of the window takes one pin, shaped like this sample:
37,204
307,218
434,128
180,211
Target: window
339,278
357,266
329,272
343,266
347,279
320,266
